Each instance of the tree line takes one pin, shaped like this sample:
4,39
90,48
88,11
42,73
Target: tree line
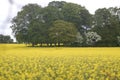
68,24
5,39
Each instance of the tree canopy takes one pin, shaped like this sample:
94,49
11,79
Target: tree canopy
63,32
66,23
5,39
107,25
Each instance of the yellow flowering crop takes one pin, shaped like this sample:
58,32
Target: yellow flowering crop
18,62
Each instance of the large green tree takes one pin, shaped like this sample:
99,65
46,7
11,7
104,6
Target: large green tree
107,25
60,10
23,21
76,14
37,32
33,23
51,14
63,32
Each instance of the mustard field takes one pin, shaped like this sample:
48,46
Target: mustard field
18,62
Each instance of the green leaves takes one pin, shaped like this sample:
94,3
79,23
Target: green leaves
61,21
5,39
32,24
63,32
107,25
22,22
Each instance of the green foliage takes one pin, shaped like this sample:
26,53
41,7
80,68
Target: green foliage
92,38
36,25
32,24
79,38
36,32
107,26
5,39
76,14
63,32
51,14
57,4
22,21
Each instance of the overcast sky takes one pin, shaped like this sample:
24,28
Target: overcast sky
9,9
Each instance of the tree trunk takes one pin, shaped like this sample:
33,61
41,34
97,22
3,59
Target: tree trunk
47,44
33,44
40,44
55,44
50,44
58,44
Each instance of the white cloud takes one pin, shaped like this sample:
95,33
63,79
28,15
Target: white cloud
4,6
